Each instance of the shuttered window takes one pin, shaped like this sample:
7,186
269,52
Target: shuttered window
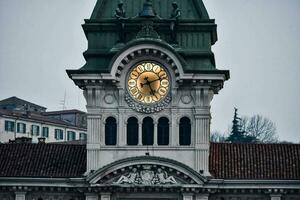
9,126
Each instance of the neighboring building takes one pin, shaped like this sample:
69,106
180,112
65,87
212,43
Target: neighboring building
74,117
35,125
149,81
20,118
17,104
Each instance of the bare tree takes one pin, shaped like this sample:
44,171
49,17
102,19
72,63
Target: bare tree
262,128
217,137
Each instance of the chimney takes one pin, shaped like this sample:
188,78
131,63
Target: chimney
41,140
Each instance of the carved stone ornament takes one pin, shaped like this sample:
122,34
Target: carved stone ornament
147,31
186,99
147,176
109,99
144,108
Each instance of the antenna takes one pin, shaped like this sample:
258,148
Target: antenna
63,102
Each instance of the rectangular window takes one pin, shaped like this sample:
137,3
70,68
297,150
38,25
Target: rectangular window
35,130
71,135
21,128
59,134
9,126
83,136
45,132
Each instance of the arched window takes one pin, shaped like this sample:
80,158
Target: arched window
132,131
148,131
111,131
185,131
163,131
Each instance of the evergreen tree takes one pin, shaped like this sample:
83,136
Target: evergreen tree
238,134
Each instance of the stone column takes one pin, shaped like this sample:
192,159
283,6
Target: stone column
140,133
275,196
155,139
20,195
105,196
91,196
202,196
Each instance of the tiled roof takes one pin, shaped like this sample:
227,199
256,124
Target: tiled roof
42,160
227,161
16,100
37,117
255,161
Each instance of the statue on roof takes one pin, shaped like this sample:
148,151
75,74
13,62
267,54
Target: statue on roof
120,15
175,15
120,12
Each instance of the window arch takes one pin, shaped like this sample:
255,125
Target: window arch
111,131
132,131
147,131
163,131
185,131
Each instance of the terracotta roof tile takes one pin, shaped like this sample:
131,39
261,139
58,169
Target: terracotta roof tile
42,160
255,161
227,161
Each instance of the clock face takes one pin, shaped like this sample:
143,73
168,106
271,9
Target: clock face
148,83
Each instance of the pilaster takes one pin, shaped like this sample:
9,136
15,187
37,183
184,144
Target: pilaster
187,196
202,196
275,196
20,195
91,196
105,196
94,129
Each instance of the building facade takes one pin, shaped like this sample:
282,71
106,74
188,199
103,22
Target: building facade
149,80
23,119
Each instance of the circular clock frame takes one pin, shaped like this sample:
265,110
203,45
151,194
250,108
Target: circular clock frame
148,87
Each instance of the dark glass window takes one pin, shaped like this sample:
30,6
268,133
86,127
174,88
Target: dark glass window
185,131
35,130
59,134
9,126
132,131
71,136
21,128
148,131
111,131
82,136
163,131
45,132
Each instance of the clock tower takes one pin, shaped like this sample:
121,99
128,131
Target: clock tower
149,80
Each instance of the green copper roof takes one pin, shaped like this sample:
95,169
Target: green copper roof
191,9
194,31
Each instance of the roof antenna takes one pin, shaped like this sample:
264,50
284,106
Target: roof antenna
63,102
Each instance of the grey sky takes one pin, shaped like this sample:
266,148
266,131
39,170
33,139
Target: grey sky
258,42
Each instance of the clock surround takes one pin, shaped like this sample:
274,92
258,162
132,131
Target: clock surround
148,86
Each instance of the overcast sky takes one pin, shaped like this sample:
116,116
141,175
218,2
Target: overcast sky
258,42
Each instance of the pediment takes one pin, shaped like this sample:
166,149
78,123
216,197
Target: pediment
146,171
